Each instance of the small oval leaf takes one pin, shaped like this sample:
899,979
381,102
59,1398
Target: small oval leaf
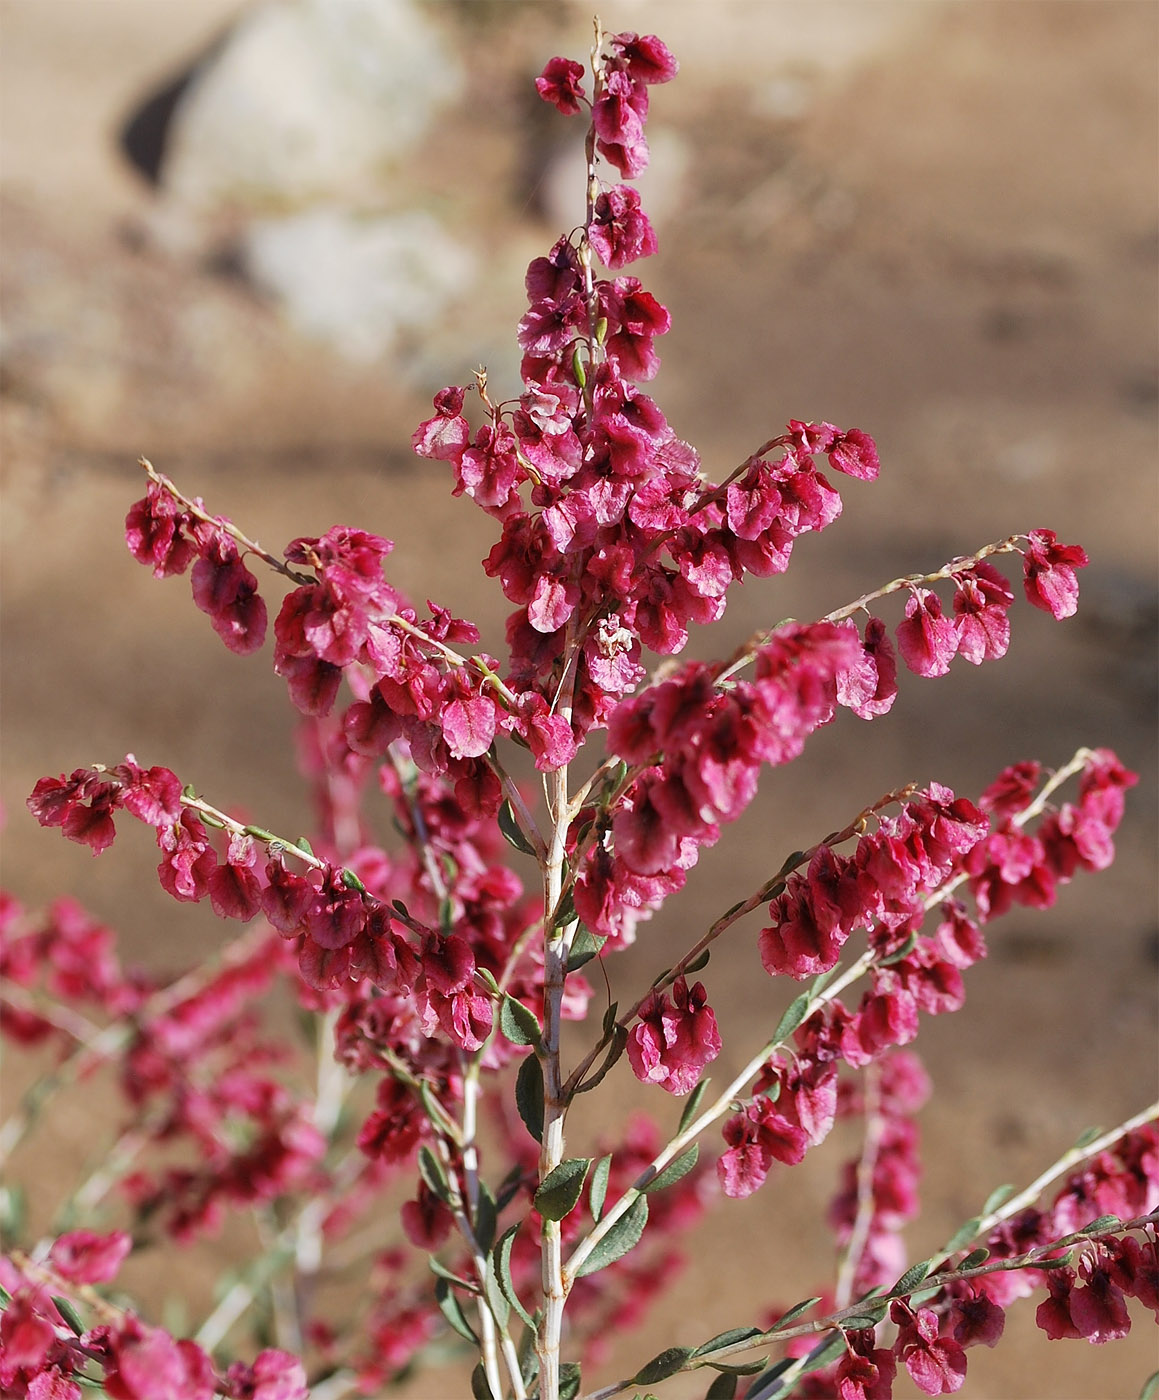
621,1238
569,1380
431,1171
692,1107
792,1018
453,1312
560,1190
676,1169
723,1340
529,1096
512,831
584,946
998,1197
722,1388
794,1312
666,1364
519,1023
974,1258
910,1279
598,1191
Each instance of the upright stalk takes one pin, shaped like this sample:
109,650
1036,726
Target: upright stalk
556,941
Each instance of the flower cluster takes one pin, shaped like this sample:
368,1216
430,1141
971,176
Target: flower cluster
429,969
45,1353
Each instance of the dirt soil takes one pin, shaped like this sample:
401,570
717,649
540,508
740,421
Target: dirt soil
945,236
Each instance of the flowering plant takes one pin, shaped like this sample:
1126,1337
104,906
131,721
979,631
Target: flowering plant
439,973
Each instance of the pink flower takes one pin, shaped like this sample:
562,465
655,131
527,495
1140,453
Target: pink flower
1049,573
937,1365
561,84
926,639
980,613
85,1257
674,1039
620,231
225,589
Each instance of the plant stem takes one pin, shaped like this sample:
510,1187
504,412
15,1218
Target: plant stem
556,945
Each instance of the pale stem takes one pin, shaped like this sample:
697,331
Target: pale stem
748,651
867,1164
716,1109
555,953
855,1310
1069,1159
490,1329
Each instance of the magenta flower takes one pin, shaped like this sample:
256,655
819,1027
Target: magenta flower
561,84
674,1039
1049,573
926,639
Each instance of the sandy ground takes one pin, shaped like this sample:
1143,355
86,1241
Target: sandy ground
939,226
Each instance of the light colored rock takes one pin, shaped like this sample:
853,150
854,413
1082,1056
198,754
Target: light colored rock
307,100
357,282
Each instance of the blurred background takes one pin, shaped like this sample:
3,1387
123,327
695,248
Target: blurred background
250,240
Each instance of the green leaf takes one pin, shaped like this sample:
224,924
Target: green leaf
440,1270
736,1368
1086,1137
5,1296
485,1214
676,1169
974,1258
509,1188
518,1023
858,1321
1104,1222
577,368
431,1171
1150,1387
70,1315
497,1300
301,843
512,832
529,1096
598,1191
722,1388
352,882
260,833
825,1351
584,947
450,1308
963,1234
791,1316
723,1340
609,1020
623,1236
899,953
692,1107
698,962
569,1380
560,1190
998,1197
613,1053
480,1385
207,819
564,912
910,1279
769,1382
792,1017
1062,1262
500,1262
821,981
666,1364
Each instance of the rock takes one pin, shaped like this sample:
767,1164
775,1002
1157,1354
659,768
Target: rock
307,100
357,281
